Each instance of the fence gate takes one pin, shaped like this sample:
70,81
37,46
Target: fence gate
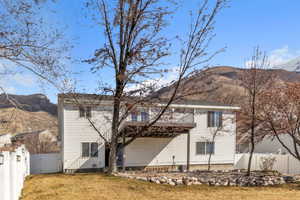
45,163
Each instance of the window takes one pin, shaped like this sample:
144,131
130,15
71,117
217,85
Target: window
200,148
144,116
214,119
81,112
89,149
134,117
85,112
210,147
85,149
94,149
203,148
88,112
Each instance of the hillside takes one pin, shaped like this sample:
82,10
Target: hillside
31,103
18,121
221,84
33,113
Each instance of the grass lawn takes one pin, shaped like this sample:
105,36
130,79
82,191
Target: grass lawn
102,187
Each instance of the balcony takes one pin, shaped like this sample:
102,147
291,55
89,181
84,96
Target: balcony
171,124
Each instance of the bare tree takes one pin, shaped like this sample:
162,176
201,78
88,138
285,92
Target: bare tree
255,79
135,49
280,116
36,144
29,44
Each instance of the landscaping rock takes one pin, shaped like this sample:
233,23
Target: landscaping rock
213,178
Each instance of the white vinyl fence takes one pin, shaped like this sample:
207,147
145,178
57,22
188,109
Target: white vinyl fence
14,167
45,163
285,164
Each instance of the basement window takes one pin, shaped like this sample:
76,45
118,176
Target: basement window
85,149
205,148
94,149
89,149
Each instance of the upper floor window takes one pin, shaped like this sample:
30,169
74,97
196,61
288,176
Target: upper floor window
144,116
81,111
134,117
203,148
88,112
85,112
214,119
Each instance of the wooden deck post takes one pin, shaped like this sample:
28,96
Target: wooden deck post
188,151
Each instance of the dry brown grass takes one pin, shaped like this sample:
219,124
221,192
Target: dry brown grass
101,187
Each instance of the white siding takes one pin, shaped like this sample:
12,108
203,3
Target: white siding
78,130
143,151
160,151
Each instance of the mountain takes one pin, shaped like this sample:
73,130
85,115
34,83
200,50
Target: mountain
292,65
221,84
32,113
13,120
31,103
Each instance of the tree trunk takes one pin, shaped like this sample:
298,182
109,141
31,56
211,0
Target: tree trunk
252,133
251,155
210,154
112,167
209,158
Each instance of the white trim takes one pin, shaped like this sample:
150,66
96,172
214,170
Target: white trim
202,106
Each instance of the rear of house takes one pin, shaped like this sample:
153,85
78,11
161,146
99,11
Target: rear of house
182,137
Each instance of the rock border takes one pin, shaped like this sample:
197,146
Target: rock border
212,178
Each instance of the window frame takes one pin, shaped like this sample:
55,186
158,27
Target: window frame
214,119
206,151
91,150
86,155
88,112
134,116
81,112
144,116
85,111
89,154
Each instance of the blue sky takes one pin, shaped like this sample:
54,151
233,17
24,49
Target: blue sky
271,24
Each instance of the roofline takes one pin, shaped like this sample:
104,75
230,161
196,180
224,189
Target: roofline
188,104
202,106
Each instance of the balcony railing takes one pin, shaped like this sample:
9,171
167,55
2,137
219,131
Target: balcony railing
168,117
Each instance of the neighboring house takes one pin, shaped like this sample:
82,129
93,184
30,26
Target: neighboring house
183,135
41,141
5,139
42,135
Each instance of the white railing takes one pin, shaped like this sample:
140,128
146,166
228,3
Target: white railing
167,117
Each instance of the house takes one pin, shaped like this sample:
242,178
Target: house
182,137
41,135
5,139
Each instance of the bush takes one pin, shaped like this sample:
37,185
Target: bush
267,163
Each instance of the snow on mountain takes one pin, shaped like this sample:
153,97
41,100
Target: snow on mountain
291,65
